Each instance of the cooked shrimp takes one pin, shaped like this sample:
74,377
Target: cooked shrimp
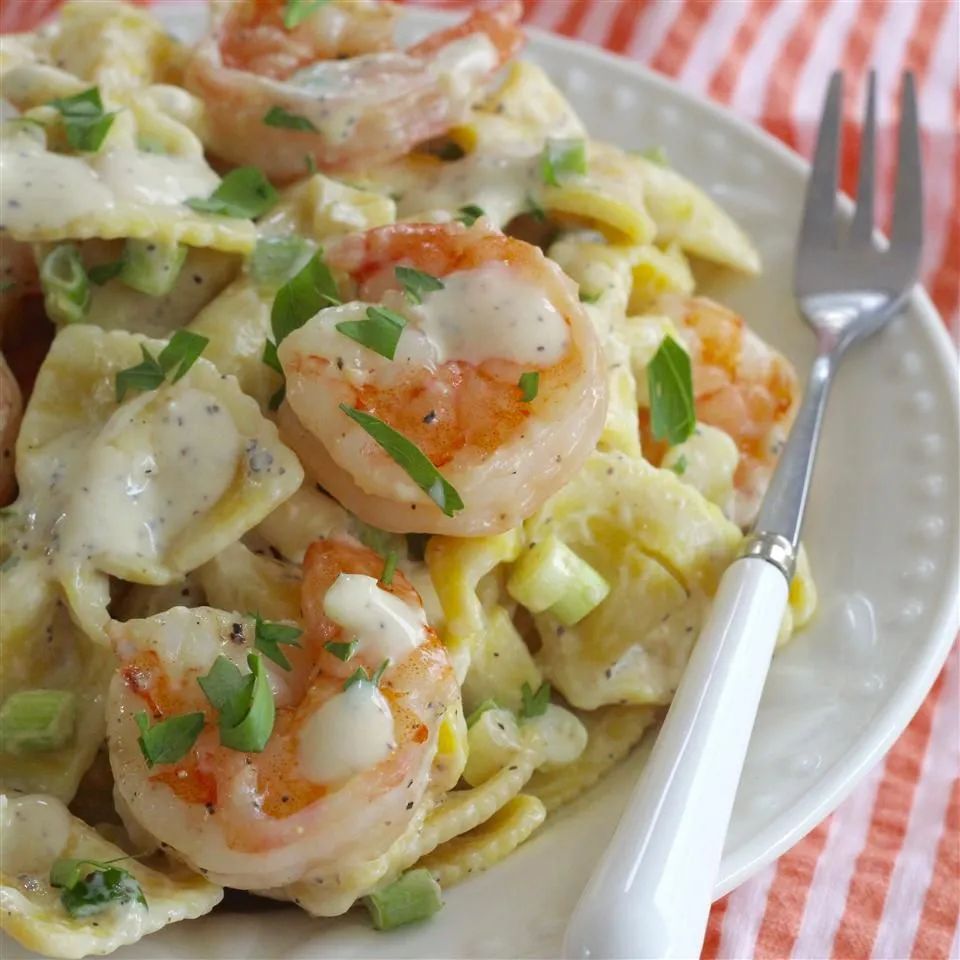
357,100
11,412
742,386
453,385
346,766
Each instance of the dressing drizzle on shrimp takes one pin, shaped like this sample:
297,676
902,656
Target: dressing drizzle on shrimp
347,764
356,100
453,387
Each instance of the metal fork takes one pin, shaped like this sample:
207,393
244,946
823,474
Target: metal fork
650,894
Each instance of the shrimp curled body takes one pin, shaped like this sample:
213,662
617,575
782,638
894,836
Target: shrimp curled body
346,766
742,386
453,387
358,101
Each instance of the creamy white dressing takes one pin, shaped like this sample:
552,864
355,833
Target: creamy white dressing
40,190
351,732
386,627
501,185
158,464
490,313
34,830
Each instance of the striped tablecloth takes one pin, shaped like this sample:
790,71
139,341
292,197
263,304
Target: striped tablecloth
881,876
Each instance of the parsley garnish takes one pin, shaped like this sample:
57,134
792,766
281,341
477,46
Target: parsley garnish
360,675
481,710
680,467
534,704
389,568
84,119
169,740
311,164
416,282
411,458
670,384
562,158
244,192
469,214
178,355
529,385
535,210
296,11
278,117
90,886
268,636
342,651
303,296
270,358
380,332
244,702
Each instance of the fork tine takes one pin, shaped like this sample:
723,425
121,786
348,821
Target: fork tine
907,234
861,229
819,212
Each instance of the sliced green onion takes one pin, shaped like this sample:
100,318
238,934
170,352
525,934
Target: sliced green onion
84,120
342,651
66,290
529,385
586,297
169,740
104,272
670,384
90,886
416,283
489,704
37,721
276,259
469,214
562,158
268,636
278,117
656,155
244,192
152,267
411,458
414,896
549,576
303,296
534,704
380,332
296,11
389,568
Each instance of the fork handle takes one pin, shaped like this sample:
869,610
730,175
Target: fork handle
651,893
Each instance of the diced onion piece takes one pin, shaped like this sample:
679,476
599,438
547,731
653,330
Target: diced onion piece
37,720
414,896
551,577
152,267
66,289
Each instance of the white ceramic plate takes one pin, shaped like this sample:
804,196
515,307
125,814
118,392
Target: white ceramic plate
882,533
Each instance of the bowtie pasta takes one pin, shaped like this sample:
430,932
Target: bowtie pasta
369,460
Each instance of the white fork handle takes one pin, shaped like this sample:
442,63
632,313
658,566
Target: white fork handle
650,894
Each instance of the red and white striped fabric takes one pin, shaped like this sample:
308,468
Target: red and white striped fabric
880,877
